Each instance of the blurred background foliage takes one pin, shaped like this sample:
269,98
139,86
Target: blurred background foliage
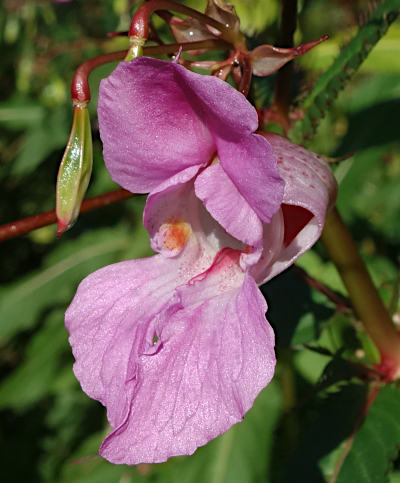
49,430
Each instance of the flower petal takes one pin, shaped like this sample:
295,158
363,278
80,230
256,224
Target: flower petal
215,355
310,191
251,166
156,118
174,216
149,129
226,205
110,317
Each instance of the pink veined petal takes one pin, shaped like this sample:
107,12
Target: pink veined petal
215,355
149,129
226,205
251,165
110,322
310,187
156,118
109,311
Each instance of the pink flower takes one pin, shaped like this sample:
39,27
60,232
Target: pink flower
157,119
176,346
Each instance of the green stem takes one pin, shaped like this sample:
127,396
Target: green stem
362,293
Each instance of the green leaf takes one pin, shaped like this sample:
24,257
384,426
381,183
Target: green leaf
327,423
19,114
376,444
333,80
300,321
33,378
21,303
40,140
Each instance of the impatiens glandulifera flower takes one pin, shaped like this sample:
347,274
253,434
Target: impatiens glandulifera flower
157,119
75,169
176,346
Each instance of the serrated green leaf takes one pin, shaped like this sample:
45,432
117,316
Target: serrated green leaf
377,443
333,80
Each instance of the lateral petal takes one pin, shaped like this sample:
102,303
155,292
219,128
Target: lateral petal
226,205
174,217
250,164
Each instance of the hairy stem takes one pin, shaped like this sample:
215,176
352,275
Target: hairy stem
362,293
25,225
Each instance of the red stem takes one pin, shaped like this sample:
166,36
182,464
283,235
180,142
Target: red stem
245,80
140,22
80,91
341,302
25,225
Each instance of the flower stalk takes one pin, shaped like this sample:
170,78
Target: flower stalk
363,294
139,28
30,223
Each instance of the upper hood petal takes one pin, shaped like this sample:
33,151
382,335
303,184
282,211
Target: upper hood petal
310,191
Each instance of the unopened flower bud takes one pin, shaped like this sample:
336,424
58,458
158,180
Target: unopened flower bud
75,169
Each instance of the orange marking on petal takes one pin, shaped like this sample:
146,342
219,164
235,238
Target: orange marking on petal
176,234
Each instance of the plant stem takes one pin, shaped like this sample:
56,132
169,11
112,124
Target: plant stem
25,225
80,91
341,302
337,239
282,88
140,22
362,293
245,80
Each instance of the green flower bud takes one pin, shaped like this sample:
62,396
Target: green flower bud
75,170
